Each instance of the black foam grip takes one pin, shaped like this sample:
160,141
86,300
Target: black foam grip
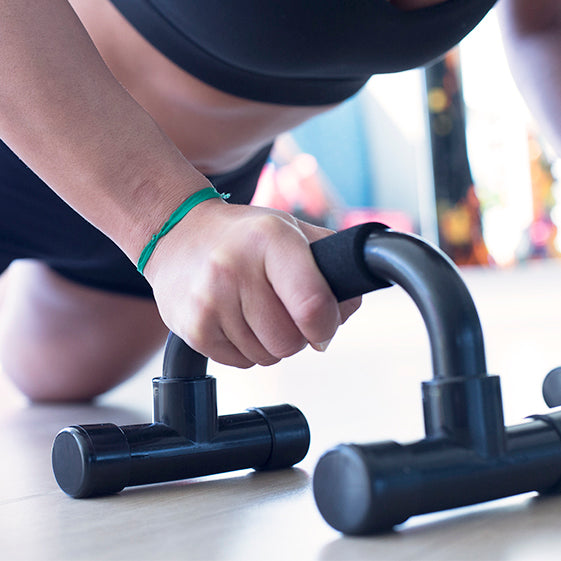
340,258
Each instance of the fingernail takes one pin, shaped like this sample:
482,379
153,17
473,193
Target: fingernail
321,347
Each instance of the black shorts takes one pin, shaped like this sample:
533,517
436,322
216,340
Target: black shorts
36,224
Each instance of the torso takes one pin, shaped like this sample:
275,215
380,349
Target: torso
216,131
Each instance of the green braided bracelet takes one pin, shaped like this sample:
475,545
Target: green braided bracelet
175,217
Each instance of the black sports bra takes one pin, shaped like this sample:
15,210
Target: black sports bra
298,52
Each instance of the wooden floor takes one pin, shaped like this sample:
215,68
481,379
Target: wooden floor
366,387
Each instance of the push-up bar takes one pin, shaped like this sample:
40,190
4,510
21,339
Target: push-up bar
187,438
468,455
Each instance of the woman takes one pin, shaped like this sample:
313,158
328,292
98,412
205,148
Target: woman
124,119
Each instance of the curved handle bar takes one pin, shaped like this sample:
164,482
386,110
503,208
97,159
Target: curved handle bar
377,255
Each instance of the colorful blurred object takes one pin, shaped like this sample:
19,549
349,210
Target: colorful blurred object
458,209
300,188
539,239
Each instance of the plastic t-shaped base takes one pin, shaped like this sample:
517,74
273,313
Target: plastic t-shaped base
187,438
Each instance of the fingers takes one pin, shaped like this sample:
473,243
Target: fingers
281,303
236,316
271,322
218,328
300,287
314,233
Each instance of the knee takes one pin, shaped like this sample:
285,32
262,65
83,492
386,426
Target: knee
60,341
46,381
71,369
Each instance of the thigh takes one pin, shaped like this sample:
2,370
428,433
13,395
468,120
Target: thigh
61,340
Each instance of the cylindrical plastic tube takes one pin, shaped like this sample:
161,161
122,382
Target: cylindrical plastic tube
363,489
93,460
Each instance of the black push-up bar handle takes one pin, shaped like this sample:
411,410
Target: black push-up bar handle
468,455
187,438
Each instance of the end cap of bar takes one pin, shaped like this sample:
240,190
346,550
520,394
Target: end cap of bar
91,460
352,491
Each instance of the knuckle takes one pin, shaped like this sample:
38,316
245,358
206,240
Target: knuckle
199,327
202,312
269,226
220,270
314,309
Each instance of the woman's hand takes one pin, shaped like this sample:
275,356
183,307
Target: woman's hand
239,285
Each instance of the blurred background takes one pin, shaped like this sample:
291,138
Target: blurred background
449,152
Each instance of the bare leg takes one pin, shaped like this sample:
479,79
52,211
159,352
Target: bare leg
60,341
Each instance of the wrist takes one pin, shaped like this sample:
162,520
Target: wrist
175,217
187,236
150,203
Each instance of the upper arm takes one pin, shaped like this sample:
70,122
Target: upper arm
527,17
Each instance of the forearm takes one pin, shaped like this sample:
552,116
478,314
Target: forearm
532,36
66,116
